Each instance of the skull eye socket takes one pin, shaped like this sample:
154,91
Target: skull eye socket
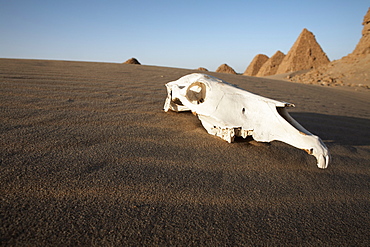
196,93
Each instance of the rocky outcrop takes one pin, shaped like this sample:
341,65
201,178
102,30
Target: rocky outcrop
271,66
255,65
202,69
224,68
132,61
352,72
306,53
363,46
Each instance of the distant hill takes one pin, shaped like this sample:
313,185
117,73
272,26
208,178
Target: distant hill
224,68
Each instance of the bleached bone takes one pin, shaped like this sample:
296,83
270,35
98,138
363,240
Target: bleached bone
228,111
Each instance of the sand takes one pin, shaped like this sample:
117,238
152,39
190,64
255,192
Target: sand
88,158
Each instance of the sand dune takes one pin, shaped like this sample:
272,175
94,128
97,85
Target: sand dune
88,157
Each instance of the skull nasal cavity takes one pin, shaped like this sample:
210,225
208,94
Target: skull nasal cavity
196,93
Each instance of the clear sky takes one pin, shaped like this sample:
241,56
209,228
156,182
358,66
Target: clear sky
183,34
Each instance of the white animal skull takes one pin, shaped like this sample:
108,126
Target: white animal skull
227,111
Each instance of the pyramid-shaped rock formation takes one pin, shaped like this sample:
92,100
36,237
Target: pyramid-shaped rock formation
351,70
363,46
306,53
224,68
132,61
256,64
202,69
271,66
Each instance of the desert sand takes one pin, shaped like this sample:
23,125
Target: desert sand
89,158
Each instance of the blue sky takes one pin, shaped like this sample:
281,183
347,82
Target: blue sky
183,34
